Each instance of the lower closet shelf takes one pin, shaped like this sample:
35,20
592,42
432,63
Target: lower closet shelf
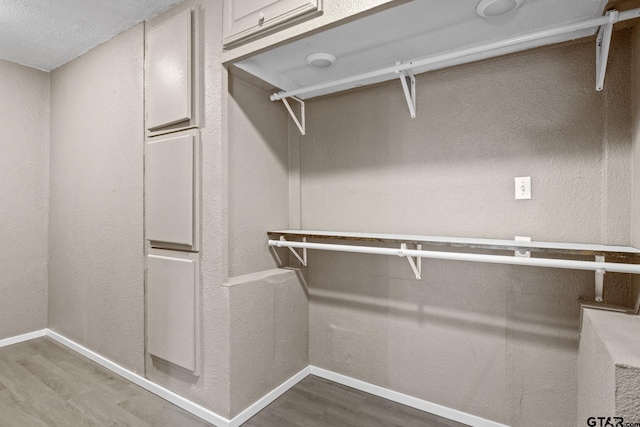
414,255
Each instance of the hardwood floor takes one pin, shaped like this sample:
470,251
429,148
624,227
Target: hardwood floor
42,383
316,402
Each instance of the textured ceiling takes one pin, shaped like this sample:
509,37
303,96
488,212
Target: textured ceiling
45,34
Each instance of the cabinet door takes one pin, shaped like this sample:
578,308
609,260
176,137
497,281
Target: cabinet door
168,79
244,18
170,190
172,307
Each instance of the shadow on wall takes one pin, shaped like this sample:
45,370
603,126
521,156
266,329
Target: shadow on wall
528,304
505,109
254,103
176,372
526,328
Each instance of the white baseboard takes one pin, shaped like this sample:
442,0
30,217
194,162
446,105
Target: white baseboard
239,419
154,388
24,337
177,400
405,399
268,398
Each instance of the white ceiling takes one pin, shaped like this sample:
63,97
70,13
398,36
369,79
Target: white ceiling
414,30
45,34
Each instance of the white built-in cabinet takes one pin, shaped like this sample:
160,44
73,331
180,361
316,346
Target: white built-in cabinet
171,189
245,19
173,307
171,74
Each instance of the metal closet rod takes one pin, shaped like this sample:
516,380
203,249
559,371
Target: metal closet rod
460,256
610,18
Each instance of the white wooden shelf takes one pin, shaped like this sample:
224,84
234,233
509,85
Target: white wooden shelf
418,37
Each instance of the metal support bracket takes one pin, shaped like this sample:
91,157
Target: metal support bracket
416,265
302,122
409,89
600,280
603,42
303,258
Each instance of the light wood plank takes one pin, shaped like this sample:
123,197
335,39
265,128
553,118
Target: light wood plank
97,406
53,377
316,402
43,383
21,384
11,415
158,412
5,395
54,411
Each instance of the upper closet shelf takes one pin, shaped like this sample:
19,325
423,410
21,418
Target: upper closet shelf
415,254
421,36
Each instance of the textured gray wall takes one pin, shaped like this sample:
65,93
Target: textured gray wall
258,175
96,275
596,374
269,311
495,341
635,128
609,366
269,333
24,198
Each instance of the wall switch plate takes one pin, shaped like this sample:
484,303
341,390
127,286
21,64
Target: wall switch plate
523,188
522,254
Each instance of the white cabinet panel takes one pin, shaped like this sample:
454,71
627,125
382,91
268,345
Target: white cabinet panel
168,79
172,307
244,18
170,190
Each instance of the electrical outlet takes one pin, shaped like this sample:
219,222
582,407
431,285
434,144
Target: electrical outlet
523,188
522,254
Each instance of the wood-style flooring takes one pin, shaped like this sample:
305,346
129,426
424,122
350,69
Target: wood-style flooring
44,384
316,402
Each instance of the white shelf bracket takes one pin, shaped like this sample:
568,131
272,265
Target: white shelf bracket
603,42
416,265
600,280
408,81
303,258
301,123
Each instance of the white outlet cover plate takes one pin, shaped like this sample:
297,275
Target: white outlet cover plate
523,188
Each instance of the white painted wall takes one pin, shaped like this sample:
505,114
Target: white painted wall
500,342
24,198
